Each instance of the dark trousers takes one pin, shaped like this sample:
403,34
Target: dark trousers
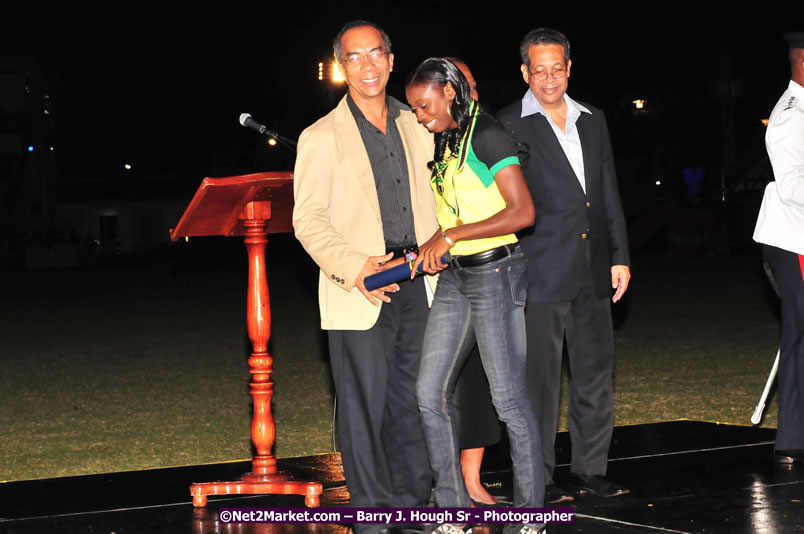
790,378
478,425
586,323
382,444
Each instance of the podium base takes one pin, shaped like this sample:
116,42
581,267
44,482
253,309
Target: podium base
256,484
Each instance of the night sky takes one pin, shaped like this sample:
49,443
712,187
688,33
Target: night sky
163,90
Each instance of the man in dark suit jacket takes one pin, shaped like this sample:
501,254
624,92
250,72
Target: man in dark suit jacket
577,252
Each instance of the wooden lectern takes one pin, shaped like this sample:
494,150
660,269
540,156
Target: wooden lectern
251,205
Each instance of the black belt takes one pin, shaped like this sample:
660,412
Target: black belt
401,250
481,258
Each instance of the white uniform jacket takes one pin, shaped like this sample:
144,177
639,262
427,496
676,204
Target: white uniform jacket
781,217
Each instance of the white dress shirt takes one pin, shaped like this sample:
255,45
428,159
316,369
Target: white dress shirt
781,216
570,141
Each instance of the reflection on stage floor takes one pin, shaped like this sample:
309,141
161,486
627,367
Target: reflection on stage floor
684,476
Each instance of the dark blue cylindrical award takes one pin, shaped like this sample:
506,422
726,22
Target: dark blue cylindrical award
394,274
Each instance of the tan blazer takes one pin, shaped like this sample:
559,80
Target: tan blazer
337,215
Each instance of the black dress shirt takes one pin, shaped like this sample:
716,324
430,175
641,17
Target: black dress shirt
389,165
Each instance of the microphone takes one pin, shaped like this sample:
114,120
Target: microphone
248,122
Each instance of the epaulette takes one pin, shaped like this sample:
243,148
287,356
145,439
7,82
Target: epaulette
793,102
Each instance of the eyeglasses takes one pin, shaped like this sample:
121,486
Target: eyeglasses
541,75
374,56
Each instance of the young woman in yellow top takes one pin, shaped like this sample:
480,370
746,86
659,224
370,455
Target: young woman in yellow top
481,200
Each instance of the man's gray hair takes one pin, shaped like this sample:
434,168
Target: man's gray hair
337,47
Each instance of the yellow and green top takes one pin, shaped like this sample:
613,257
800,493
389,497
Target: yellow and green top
464,185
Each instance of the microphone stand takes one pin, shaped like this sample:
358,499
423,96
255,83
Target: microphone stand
281,139
265,132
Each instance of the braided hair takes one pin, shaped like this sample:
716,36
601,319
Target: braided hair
440,71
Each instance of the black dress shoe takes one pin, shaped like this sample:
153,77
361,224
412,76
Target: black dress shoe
795,456
554,494
596,485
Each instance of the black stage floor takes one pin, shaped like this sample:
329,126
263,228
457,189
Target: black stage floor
684,477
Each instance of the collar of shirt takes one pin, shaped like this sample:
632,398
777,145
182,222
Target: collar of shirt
394,106
531,106
569,139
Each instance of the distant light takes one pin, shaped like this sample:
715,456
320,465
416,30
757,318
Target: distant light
658,182
765,122
127,166
639,104
30,148
272,141
337,75
52,149
320,70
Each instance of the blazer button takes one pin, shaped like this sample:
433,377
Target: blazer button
588,204
341,281
584,236
333,277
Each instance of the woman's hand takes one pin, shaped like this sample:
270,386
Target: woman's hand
430,255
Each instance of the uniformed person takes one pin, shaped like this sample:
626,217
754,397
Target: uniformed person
780,230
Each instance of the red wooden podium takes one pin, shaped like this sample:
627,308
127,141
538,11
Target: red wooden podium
251,205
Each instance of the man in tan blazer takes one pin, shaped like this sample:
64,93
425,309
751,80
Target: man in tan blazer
362,196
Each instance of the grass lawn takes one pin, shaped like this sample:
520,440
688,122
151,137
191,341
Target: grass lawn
142,364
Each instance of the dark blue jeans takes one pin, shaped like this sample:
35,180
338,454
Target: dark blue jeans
485,303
